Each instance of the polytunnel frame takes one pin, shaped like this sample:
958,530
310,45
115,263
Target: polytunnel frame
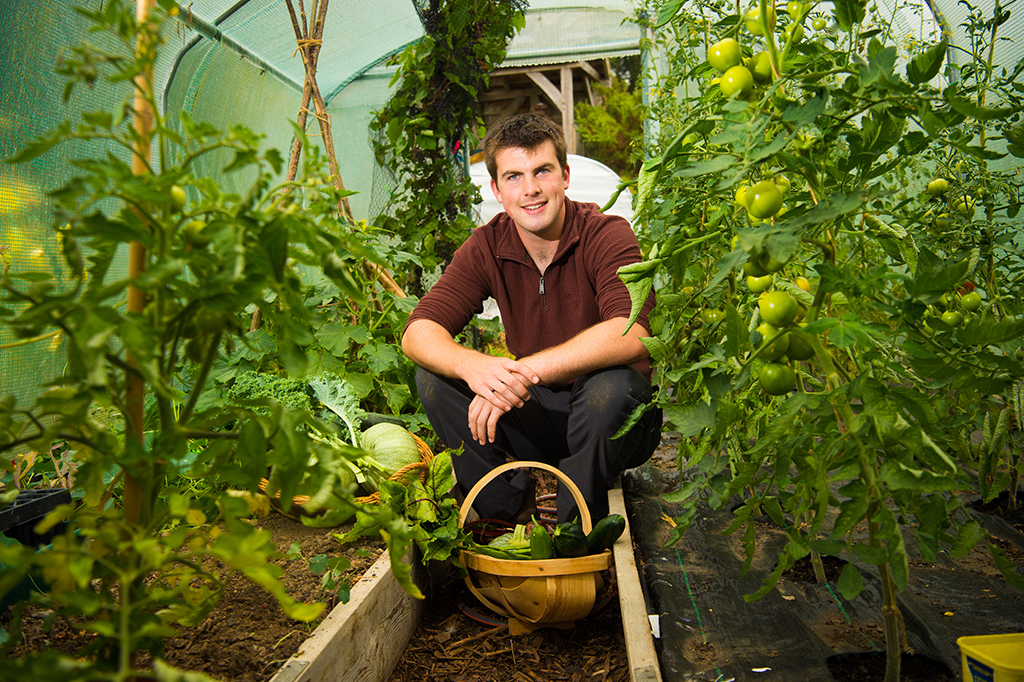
211,31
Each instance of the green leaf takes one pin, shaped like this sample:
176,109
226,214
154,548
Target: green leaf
927,64
982,330
1007,567
875,556
897,476
972,110
667,12
691,419
380,357
849,13
850,582
967,536
638,278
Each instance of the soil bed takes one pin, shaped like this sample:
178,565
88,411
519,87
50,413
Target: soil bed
247,636
451,646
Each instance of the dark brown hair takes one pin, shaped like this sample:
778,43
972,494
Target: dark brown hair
523,131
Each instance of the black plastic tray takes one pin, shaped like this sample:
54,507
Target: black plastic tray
18,520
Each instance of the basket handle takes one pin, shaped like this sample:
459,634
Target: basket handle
508,466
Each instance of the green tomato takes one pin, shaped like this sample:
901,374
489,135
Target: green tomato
741,196
803,283
971,301
194,350
178,197
776,378
193,234
819,23
725,54
937,186
691,138
761,66
752,20
759,284
210,321
738,82
800,347
778,347
754,269
952,318
943,221
782,182
778,308
712,315
764,199
793,33
965,205
769,264
797,10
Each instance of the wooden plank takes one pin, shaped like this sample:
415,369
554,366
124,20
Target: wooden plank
363,640
636,627
549,89
588,69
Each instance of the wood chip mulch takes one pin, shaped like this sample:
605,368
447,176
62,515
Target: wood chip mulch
451,646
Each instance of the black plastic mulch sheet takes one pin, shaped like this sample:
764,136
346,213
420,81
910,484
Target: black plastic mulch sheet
709,632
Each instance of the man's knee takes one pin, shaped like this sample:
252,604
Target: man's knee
610,395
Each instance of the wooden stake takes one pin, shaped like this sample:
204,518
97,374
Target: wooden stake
135,392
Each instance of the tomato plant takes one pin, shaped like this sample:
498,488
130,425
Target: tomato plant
137,559
885,393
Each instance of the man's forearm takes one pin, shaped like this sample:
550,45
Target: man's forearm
600,346
431,347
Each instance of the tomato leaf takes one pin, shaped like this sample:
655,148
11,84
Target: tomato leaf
968,535
972,110
897,476
986,330
849,13
850,582
667,12
1007,567
927,64
691,419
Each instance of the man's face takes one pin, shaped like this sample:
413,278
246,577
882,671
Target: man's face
531,187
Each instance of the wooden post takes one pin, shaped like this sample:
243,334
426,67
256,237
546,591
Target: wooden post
135,398
568,119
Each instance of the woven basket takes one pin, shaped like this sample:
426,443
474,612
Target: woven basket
422,466
535,593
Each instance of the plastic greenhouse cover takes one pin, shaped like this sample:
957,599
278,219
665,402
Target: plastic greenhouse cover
709,632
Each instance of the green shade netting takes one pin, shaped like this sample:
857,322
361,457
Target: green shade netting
231,62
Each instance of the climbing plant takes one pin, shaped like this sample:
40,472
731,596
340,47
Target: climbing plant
421,135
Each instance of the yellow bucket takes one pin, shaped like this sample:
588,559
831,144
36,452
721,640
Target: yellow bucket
992,658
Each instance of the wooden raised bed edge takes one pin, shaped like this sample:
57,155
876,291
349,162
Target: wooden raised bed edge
636,625
363,640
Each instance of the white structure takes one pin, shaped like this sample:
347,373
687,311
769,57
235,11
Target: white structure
589,180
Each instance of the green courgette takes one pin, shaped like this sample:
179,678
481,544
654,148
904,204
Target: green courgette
541,545
605,533
569,540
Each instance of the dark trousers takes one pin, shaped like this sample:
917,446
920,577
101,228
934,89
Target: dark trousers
570,428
